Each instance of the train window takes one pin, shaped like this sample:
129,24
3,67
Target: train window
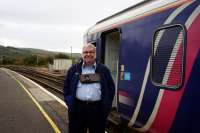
168,56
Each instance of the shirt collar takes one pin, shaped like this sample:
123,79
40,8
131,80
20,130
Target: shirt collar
94,65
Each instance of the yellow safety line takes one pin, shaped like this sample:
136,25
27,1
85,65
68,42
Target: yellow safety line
56,129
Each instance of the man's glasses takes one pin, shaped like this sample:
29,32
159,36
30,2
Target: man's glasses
88,52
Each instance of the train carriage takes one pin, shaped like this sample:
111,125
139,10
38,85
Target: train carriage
152,50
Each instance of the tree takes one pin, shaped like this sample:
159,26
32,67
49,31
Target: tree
30,60
62,56
50,59
8,60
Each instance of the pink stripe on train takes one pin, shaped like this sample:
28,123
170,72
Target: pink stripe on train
171,99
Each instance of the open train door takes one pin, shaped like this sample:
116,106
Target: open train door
110,46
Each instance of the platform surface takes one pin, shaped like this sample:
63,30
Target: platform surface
19,113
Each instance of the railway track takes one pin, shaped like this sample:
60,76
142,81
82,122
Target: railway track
50,82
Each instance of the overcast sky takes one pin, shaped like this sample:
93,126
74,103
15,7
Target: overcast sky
54,25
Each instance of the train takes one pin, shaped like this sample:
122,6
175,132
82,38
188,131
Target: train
153,52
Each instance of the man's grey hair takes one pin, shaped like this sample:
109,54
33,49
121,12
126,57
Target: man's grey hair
89,45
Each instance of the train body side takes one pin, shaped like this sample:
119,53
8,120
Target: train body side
143,105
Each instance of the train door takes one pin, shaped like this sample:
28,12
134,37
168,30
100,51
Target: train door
110,55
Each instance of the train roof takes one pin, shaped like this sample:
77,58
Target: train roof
135,11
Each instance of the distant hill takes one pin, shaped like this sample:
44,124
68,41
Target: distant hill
14,52
41,52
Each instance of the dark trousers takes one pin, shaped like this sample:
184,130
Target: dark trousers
87,116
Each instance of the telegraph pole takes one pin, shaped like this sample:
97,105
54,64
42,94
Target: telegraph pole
71,52
37,60
1,59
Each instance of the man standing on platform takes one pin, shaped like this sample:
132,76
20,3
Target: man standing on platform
88,91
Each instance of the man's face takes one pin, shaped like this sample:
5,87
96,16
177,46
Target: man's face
89,55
